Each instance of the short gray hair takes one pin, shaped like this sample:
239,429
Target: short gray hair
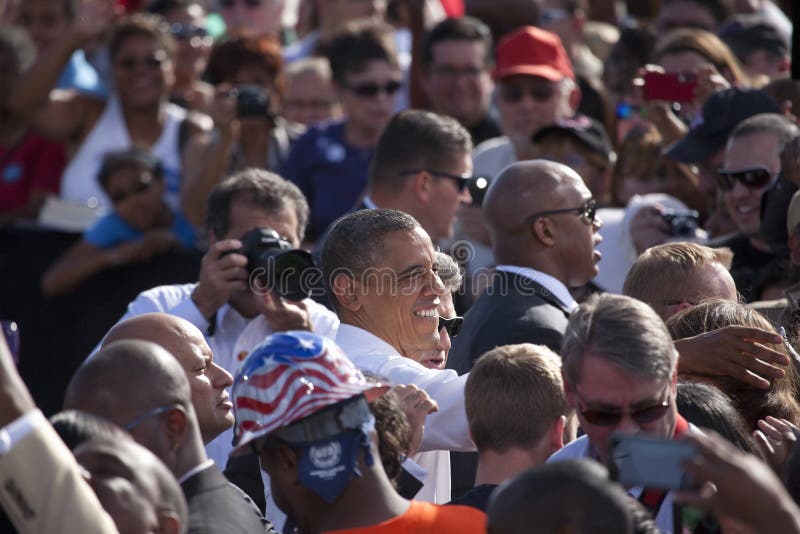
449,272
622,330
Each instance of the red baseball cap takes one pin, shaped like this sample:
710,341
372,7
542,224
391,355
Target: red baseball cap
532,51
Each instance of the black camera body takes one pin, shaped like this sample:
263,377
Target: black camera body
682,223
478,186
251,101
274,264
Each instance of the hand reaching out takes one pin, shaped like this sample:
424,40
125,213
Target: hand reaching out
417,405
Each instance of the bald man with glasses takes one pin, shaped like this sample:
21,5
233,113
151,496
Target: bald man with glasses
543,224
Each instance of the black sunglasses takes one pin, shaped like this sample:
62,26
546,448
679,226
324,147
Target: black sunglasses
755,178
641,416
153,62
187,31
371,89
461,180
452,325
248,3
588,212
515,93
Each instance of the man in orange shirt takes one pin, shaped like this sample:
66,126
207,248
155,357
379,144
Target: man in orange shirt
302,406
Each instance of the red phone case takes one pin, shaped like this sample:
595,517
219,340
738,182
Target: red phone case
669,87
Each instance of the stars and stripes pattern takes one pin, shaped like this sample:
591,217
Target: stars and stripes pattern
288,377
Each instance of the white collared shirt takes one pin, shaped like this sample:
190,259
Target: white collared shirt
446,429
193,471
553,285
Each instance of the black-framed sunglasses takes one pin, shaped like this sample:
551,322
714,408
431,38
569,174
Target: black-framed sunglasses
755,178
452,325
641,416
371,89
588,212
248,3
461,180
153,61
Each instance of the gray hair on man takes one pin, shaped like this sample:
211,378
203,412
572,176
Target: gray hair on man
621,330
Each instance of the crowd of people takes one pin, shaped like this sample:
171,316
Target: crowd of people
461,265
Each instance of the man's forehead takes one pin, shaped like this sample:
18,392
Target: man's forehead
407,247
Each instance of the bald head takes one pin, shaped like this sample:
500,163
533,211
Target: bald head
125,379
133,486
525,188
208,382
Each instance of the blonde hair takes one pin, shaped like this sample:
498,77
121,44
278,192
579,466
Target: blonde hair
707,45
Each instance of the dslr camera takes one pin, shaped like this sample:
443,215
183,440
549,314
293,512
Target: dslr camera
251,101
681,223
276,265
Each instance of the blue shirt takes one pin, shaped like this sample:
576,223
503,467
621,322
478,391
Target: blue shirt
110,230
330,173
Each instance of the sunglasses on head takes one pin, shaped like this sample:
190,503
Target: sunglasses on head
452,325
755,178
371,89
641,416
515,93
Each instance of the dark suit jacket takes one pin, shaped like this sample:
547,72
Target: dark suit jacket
514,309
217,506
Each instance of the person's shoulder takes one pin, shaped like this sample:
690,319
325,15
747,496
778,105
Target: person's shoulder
168,293
445,519
578,448
734,240
491,147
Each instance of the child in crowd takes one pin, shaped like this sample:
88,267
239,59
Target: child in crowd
140,226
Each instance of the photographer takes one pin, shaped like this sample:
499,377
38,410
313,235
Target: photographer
226,299
249,132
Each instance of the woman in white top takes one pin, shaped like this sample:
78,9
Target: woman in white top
137,112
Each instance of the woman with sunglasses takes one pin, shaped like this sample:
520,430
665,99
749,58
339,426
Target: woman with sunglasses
329,163
136,113
187,25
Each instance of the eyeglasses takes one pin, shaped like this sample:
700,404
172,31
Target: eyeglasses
148,414
540,92
588,212
196,35
755,178
452,325
640,416
371,89
246,3
461,180
139,188
152,62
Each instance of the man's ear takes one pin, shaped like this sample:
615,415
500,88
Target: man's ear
575,98
544,231
555,435
422,185
177,422
345,291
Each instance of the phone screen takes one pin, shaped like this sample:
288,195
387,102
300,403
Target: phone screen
650,462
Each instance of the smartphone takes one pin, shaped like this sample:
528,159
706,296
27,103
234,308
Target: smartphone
636,460
669,87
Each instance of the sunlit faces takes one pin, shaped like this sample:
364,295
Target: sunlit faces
436,357
143,72
188,27
126,491
446,196
309,99
743,203
367,109
398,300
136,196
457,81
45,20
528,103
576,238
605,391
254,17
208,383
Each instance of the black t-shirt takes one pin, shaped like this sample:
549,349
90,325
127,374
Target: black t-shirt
747,262
477,497
485,129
